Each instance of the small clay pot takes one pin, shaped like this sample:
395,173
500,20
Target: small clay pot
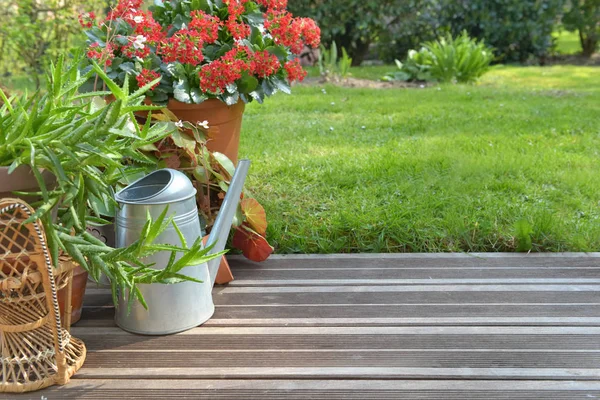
80,276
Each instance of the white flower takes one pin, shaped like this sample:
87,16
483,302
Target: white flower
130,126
138,19
139,41
203,124
179,124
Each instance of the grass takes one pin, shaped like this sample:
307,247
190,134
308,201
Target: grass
511,163
567,42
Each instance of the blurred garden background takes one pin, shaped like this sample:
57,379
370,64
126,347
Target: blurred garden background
424,125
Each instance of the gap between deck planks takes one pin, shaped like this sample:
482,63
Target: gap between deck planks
415,326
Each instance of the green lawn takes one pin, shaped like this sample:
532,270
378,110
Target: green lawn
450,168
567,42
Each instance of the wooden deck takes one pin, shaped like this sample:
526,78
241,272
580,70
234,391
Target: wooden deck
365,327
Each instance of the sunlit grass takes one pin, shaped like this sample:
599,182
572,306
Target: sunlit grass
450,168
567,42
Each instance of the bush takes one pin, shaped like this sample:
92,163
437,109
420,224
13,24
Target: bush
419,22
354,24
32,32
331,66
517,29
584,16
448,59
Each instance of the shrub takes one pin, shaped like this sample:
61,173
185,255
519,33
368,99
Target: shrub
32,33
331,66
415,68
419,22
352,24
584,16
448,59
517,29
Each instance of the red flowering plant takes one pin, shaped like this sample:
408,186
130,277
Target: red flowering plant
201,49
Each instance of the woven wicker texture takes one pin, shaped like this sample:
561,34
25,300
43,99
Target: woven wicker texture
36,349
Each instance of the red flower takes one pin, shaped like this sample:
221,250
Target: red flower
103,55
295,71
184,46
235,8
86,20
147,76
237,30
206,25
264,64
215,77
123,7
310,31
144,24
132,51
273,4
285,30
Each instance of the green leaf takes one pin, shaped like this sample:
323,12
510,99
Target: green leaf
184,141
247,83
181,91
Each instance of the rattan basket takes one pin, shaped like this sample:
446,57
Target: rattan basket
36,349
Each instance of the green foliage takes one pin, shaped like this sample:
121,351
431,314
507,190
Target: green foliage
517,29
443,168
584,16
448,59
459,59
333,67
85,143
416,67
353,24
32,33
208,60
523,232
419,21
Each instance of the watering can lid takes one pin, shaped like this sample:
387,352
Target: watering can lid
159,187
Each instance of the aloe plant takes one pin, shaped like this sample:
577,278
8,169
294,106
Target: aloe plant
89,146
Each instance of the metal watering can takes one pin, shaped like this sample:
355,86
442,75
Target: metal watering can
177,307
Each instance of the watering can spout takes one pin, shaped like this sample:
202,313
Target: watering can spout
222,226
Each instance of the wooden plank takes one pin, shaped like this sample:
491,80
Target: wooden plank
228,297
331,389
369,273
338,373
302,389
473,260
344,358
407,311
103,317
383,281
276,338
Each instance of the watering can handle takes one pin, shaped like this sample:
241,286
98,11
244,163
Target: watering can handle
220,230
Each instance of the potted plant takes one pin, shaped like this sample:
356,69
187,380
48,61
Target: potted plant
211,173
85,147
212,56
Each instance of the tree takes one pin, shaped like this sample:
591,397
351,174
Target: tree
353,24
584,16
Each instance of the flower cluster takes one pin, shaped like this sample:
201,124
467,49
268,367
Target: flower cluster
146,76
86,20
240,49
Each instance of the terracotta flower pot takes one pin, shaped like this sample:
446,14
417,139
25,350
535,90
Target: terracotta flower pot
225,123
80,277
23,180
